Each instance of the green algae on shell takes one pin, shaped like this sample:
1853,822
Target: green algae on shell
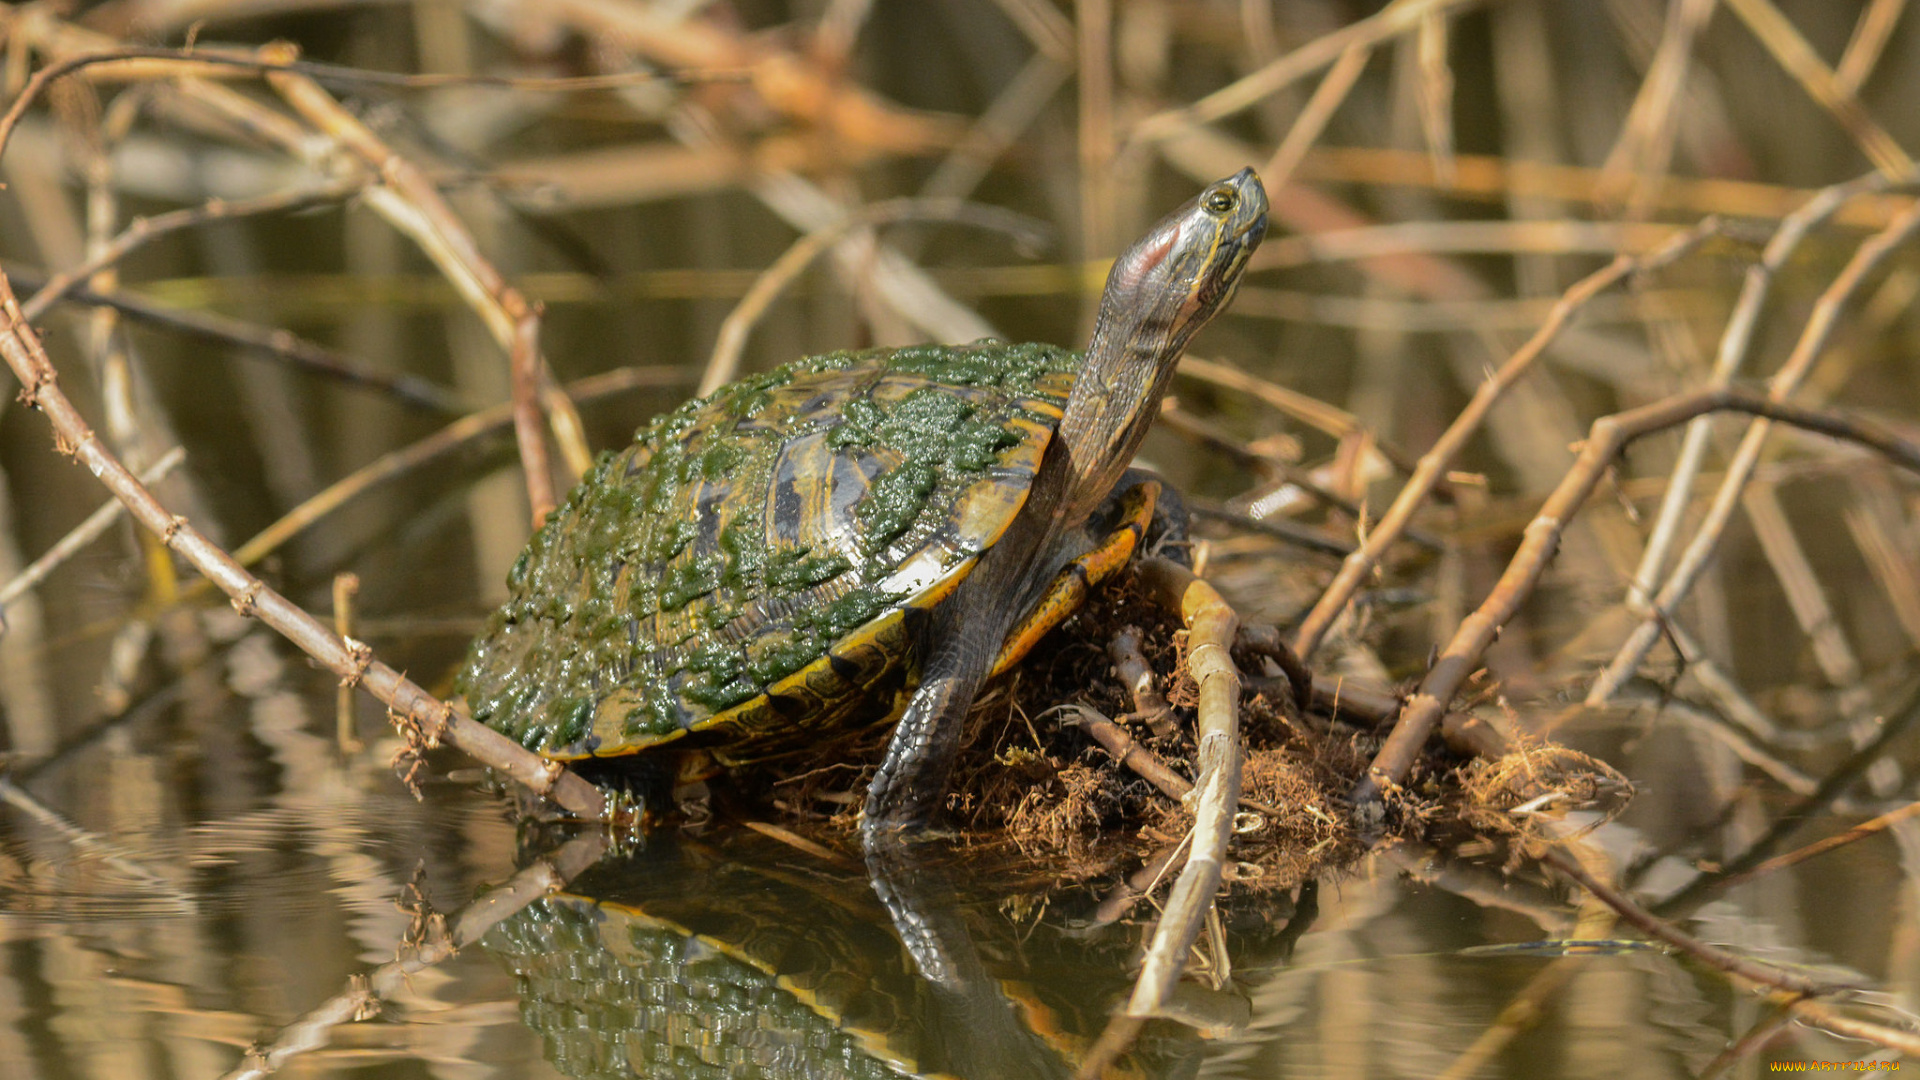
749,565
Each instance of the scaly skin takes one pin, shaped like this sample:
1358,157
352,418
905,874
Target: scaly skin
1161,291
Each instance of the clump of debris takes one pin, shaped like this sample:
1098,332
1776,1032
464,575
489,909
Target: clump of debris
1040,770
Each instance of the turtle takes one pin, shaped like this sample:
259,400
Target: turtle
852,537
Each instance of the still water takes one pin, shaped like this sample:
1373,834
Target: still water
209,886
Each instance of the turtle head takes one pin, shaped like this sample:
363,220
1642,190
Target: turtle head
1173,280
1161,291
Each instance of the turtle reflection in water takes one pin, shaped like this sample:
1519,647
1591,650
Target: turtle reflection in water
853,536
745,959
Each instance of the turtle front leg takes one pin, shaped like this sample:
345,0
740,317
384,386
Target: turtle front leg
1141,507
912,777
967,642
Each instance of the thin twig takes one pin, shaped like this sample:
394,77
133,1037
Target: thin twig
1736,342
1368,242
411,203
1276,469
1762,1032
1714,957
107,851
1143,762
345,588
1832,786
1723,728
270,342
1820,847
1395,19
1800,584
724,364
1798,59
1646,139
1115,905
144,230
1281,529
1327,97
1693,562
1498,178
1114,740
83,534
1527,1007
1310,411
1436,91
134,63
1434,463
1817,1013
1869,41
1605,441
432,719
1130,664
407,458
1013,111
1093,61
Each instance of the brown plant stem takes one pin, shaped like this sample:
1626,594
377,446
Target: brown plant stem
724,363
1149,704
434,720
1797,58
1312,120
83,534
1730,356
1210,624
1819,328
1817,1013
1607,438
1184,422
1393,20
1138,886
1776,1019
345,587
1310,411
1481,176
409,200
144,230
1868,44
1305,537
1820,847
1434,463
1714,957
407,458
1750,862
273,342
1143,762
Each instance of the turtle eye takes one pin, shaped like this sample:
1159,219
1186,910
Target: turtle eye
1220,200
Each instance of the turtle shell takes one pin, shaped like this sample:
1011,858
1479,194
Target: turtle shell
753,566
722,958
